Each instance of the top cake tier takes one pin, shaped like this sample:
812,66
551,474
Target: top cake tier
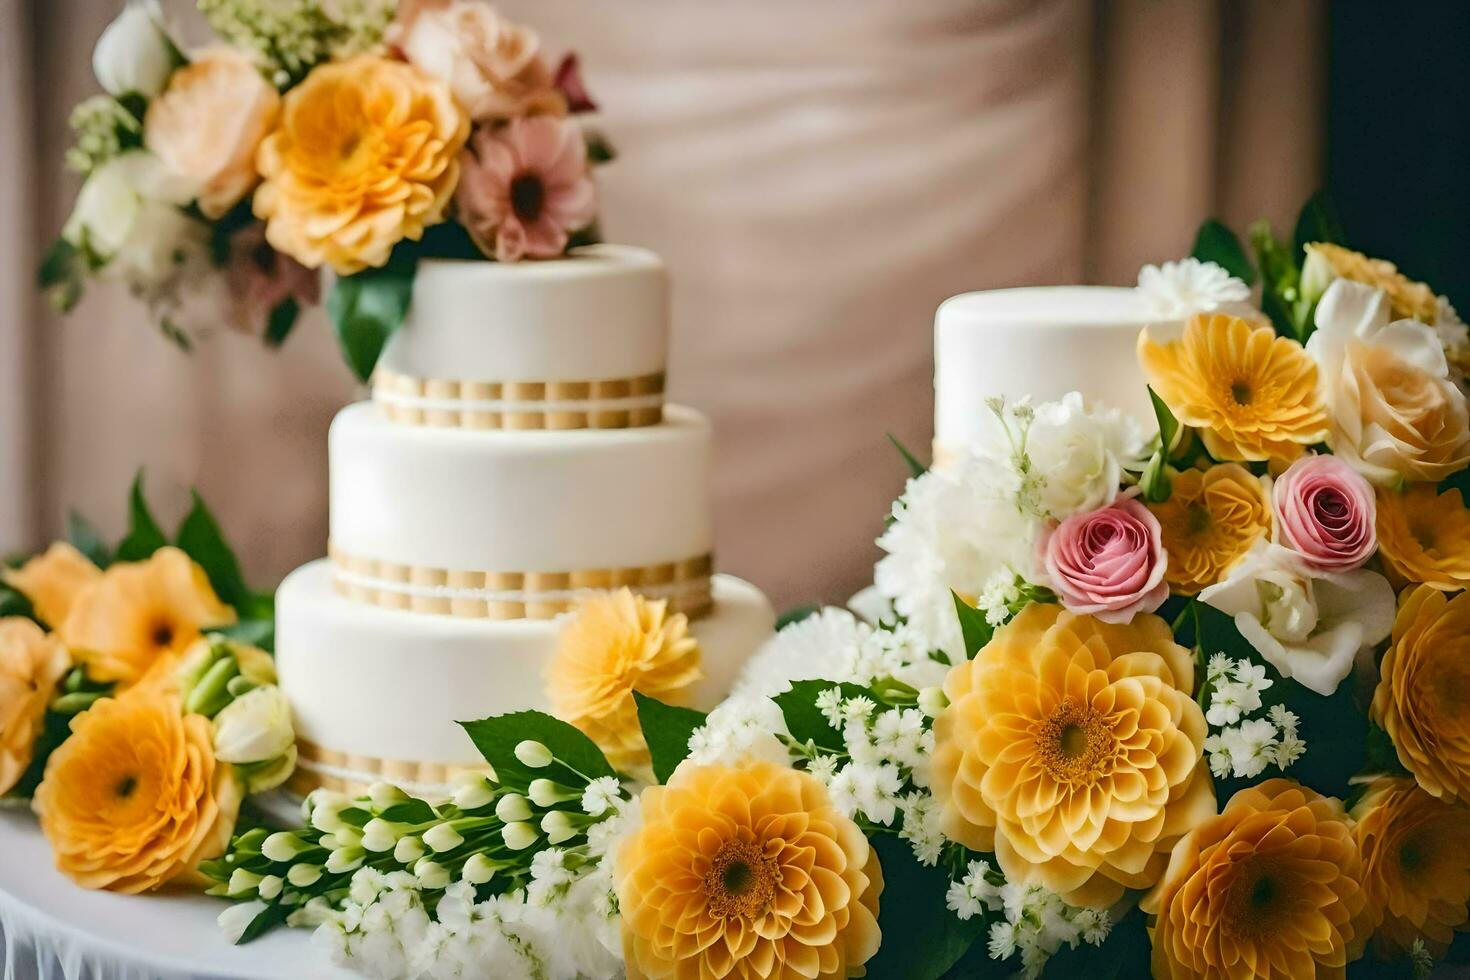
1043,342
579,342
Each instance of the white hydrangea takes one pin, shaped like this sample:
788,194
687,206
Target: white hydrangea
743,726
1179,290
834,645
1076,458
1030,920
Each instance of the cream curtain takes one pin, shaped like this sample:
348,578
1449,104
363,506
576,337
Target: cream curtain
818,175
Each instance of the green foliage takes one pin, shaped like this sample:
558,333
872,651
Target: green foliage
1216,243
807,724
144,536
1169,427
496,739
282,321
922,938
13,603
666,730
86,539
916,468
1317,222
975,628
368,307
200,538
62,275
55,727
1122,956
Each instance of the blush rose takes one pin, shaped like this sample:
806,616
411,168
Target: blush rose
1325,512
1108,563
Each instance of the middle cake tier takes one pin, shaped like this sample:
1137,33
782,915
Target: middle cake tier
515,524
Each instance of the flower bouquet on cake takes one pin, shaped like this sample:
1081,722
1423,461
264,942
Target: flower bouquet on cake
355,136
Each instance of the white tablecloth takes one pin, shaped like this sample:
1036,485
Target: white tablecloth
52,930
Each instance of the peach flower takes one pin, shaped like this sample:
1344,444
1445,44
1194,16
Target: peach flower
1072,749
32,663
1424,536
366,155
1267,889
1109,562
52,581
1209,523
494,67
1407,298
208,124
135,799
747,872
526,188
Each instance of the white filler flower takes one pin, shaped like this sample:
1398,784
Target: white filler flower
1179,290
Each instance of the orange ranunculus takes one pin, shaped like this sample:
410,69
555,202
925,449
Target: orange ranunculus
1422,688
617,643
1253,395
139,612
1416,865
135,799
52,581
32,663
1210,521
1072,749
1267,889
366,155
1424,536
746,872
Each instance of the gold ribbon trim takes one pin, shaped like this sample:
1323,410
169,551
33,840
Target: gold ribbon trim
319,768
516,595
616,403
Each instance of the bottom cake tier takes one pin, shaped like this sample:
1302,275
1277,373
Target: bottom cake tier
376,692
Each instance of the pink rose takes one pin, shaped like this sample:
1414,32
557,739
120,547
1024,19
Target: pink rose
1326,513
1108,562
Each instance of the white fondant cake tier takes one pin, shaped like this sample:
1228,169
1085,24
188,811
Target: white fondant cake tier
383,684
1042,342
600,313
520,501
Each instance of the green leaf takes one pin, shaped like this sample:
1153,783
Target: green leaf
916,468
255,632
599,149
282,320
806,723
1318,222
1169,427
498,736
976,630
922,939
1155,482
367,308
1122,956
1379,753
13,603
62,273
666,729
201,539
1281,298
270,917
1216,243
793,616
144,536
411,810
54,730
85,538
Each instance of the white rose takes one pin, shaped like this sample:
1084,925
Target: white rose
134,54
1309,628
255,727
127,216
1080,455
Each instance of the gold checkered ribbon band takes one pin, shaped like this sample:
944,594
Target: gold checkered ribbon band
516,595
616,403
319,768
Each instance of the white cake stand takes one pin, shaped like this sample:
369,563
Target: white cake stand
52,930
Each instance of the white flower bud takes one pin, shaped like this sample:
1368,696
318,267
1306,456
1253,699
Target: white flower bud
304,875
270,887
346,836
442,837
559,827
242,881
545,793
932,701
133,54
479,869
519,836
283,846
533,754
345,859
408,850
379,835
474,794
255,727
385,795
237,918
513,808
431,875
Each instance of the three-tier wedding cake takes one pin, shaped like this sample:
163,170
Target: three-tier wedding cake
516,454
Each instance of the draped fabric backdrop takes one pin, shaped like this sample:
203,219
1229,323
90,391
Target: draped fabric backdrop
818,176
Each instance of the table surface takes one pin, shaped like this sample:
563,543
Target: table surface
99,934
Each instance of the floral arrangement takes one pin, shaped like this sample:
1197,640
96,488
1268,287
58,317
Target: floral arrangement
356,136
1186,703
137,712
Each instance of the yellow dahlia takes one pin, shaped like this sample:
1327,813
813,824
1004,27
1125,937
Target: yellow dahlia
1267,889
1416,865
1424,536
1209,522
617,643
52,581
139,612
1253,395
134,798
32,663
1423,694
1407,299
365,155
746,872
1071,748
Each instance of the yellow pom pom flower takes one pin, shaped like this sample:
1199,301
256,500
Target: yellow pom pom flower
617,643
365,155
1209,522
1072,749
1424,536
1407,299
52,581
1253,395
746,872
32,662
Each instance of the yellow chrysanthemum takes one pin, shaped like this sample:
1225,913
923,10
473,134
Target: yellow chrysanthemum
134,798
1253,395
1268,889
1407,299
1416,865
1424,536
1423,687
139,612
1211,519
52,581
747,872
365,155
1071,748
32,662
617,643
